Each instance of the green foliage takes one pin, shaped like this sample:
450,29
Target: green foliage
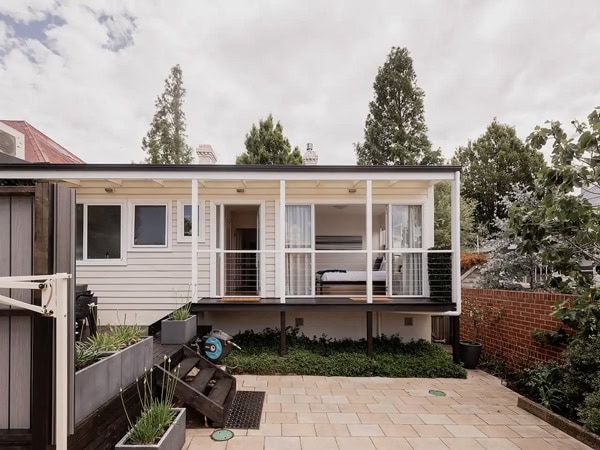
443,218
590,412
395,129
492,165
581,314
165,142
115,338
157,413
550,338
546,384
563,228
345,357
582,358
266,144
182,313
507,267
86,354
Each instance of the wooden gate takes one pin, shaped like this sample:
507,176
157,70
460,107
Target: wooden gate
36,237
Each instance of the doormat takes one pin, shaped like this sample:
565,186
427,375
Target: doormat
240,299
246,410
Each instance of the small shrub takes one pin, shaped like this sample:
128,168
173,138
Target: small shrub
545,382
590,412
468,260
345,357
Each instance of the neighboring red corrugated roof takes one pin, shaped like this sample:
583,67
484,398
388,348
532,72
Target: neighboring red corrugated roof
39,147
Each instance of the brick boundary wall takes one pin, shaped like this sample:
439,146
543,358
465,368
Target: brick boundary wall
509,337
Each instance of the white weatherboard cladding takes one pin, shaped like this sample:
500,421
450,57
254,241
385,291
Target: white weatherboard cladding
151,283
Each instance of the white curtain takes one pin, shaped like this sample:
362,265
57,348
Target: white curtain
407,232
298,234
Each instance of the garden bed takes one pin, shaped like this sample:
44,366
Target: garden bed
328,357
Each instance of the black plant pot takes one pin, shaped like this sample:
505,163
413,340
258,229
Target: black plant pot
470,353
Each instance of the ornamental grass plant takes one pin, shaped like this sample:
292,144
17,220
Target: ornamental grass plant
157,413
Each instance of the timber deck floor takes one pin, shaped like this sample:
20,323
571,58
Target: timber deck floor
160,350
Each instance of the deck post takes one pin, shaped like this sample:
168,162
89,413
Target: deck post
369,227
281,244
283,340
455,205
194,247
455,337
370,333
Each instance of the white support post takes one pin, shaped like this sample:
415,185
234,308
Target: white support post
281,243
62,367
369,213
194,249
455,205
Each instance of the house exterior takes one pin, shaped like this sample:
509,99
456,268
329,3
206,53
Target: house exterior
258,246
19,139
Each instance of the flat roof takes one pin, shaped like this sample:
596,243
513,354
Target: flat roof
17,167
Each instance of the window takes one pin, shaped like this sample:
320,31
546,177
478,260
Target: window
98,232
184,222
298,226
150,225
407,226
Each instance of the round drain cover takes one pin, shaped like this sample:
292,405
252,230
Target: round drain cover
221,435
437,393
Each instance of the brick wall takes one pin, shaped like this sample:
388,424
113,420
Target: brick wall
509,336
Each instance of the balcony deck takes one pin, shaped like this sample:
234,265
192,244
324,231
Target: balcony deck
342,303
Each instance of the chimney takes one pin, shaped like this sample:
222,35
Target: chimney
206,154
310,157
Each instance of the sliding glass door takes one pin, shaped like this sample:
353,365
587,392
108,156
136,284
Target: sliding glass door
406,244
299,239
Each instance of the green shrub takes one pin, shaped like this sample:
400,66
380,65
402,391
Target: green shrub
345,357
545,382
590,412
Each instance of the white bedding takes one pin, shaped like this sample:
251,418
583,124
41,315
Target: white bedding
353,276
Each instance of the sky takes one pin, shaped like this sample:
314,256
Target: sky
87,73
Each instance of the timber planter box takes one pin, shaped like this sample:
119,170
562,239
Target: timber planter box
173,439
177,331
100,382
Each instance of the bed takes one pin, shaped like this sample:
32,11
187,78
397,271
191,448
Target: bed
342,277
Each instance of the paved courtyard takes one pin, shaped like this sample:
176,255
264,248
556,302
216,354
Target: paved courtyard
331,413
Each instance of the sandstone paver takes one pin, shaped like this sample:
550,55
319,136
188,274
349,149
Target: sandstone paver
337,413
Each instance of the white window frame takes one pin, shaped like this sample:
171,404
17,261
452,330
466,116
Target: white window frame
111,261
168,220
201,221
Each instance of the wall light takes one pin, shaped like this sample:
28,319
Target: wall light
352,190
109,190
240,190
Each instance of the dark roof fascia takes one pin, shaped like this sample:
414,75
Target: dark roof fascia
241,168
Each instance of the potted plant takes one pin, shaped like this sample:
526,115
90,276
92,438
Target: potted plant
113,358
160,425
179,327
470,351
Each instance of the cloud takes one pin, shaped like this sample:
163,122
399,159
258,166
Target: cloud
88,74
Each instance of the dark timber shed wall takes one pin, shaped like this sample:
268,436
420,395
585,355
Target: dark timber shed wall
36,237
16,258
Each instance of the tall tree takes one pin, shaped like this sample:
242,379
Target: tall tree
165,142
395,129
266,144
492,165
562,227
